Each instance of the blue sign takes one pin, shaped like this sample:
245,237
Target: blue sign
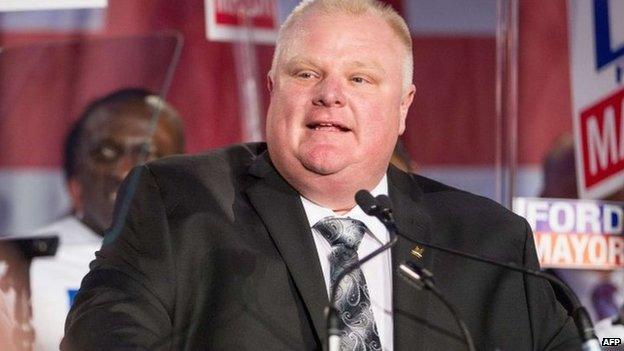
604,52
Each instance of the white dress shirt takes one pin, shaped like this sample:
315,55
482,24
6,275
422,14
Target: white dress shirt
55,280
377,272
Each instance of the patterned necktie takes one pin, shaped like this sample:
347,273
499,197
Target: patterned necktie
359,331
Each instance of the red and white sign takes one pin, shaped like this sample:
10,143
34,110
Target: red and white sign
597,67
602,144
575,234
241,20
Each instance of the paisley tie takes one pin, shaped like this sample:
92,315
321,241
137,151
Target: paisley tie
358,328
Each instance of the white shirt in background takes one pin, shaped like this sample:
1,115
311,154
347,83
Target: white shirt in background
55,280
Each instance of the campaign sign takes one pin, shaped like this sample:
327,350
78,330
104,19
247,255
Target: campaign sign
578,234
240,20
597,72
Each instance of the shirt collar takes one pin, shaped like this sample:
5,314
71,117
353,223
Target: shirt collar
316,212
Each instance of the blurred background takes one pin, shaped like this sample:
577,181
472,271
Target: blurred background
494,111
218,87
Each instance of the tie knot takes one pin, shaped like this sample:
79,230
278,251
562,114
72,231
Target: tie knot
341,231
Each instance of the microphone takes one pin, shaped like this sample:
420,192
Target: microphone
578,313
368,204
381,207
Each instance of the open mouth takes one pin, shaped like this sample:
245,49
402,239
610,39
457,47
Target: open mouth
328,126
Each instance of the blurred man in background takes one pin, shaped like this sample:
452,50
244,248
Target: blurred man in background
113,134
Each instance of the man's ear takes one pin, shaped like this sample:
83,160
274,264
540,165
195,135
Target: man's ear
74,188
406,102
269,83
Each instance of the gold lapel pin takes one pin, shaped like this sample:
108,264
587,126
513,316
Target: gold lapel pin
418,252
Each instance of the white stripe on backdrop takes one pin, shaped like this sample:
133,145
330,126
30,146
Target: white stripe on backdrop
30,198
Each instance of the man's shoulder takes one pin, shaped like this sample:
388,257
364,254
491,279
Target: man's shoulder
215,176
472,223
457,203
230,158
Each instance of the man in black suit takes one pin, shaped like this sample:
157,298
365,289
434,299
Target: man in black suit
237,249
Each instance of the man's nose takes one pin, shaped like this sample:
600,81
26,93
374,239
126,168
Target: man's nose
329,93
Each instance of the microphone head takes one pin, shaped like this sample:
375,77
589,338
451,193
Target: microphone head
384,202
366,201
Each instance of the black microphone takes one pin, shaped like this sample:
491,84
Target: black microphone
379,207
578,313
368,204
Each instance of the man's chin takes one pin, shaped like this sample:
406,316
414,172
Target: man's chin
322,167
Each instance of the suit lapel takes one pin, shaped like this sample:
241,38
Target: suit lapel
280,209
409,304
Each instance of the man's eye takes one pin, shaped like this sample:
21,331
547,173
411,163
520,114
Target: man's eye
358,80
305,75
106,153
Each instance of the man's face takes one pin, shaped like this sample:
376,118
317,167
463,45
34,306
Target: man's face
112,145
337,101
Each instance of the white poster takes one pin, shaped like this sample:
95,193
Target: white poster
31,5
597,71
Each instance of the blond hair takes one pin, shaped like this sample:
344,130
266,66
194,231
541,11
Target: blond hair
355,8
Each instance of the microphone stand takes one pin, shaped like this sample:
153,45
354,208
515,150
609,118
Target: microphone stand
365,200
579,313
420,278
333,330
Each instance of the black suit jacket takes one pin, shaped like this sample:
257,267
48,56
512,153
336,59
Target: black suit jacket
217,254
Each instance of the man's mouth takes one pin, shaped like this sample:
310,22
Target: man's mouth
328,126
